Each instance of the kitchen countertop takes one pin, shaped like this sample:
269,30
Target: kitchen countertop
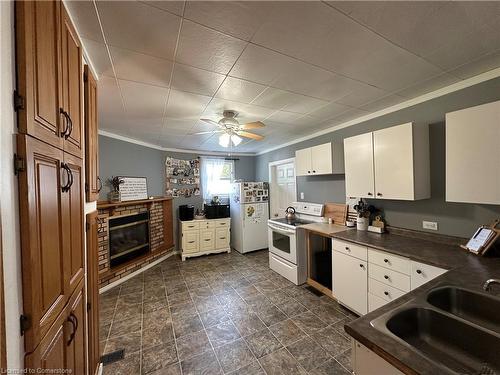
324,228
465,270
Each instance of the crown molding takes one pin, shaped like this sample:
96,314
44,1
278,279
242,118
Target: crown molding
109,134
483,77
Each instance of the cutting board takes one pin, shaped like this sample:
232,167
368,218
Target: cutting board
337,211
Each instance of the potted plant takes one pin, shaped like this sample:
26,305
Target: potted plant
364,211
114,194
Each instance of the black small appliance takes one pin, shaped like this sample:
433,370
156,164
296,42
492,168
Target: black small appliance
186,212
216,211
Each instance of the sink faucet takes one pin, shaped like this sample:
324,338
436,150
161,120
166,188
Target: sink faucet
488,282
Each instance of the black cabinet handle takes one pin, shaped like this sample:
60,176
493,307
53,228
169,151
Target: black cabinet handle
70,127
74,323
66,122
308,171
379,194
207,239
362,266
66,187
71,178
369,194
419,272
190,241
386,293
386,277
347,248
99,183
386,260
314,171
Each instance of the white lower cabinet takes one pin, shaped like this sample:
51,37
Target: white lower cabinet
350,277
365,279
200,237
366,362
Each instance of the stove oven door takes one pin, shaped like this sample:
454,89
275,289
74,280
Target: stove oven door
282,242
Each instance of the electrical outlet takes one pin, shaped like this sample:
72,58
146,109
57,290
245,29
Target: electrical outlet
432,225
301,195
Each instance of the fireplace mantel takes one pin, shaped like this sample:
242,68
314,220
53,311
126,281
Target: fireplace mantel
101,205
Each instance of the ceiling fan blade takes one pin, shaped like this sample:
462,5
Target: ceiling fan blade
257,137
210,132
211,122
253,125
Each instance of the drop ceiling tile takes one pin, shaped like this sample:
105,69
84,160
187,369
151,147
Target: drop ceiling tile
361,95
171,6
282,117
185,125
84,15
349,115
246,112
329,111
288,101
478,66
385,102
428,85
239,90
424,27
134,66
239,19
205,48
194,80
184,105
139,27
143,101
99,57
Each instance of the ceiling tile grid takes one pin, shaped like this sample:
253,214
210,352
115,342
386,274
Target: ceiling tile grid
298,66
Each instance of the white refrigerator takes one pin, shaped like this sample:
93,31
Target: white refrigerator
249,215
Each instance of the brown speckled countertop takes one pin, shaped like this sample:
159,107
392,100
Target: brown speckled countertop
465,270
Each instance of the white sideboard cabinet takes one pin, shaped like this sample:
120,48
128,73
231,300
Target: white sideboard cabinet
200,237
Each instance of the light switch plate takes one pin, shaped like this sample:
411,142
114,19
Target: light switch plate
432,225
301,195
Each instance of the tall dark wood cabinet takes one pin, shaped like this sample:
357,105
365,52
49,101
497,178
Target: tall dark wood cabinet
50,167
92,181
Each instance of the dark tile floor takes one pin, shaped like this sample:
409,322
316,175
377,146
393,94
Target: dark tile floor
224,313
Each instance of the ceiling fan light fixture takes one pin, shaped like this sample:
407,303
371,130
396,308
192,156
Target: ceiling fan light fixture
236,139
224,140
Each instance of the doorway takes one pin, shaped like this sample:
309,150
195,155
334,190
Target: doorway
282,186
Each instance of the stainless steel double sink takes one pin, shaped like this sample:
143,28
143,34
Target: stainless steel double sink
457,329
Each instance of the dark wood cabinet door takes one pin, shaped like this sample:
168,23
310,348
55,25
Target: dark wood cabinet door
168,225
72,85
38,57
51,353
93,292
76,332
45,266
92,183
73,217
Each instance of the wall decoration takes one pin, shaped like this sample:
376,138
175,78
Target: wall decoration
182,177
133,188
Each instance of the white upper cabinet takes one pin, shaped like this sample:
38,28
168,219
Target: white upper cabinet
326,158
472,154
358,154
391,163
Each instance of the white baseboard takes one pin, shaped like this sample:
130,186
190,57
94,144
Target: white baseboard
129,276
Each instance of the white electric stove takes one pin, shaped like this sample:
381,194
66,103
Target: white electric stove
287,242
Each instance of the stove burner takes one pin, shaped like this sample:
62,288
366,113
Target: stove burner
293,222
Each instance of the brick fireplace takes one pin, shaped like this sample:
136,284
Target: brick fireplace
132,235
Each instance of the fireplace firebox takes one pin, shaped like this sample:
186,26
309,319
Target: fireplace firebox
128,237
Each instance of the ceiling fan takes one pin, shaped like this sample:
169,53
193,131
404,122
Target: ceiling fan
232,130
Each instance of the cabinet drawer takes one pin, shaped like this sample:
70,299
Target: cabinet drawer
190,225
423,273
190,242
206,225
389,277
283,267
374,302
207,239
221,238
222,223
391,261
350,248
383,291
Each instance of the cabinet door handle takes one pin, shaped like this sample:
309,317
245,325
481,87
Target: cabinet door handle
386,260
66,122
379,194
347,248
419,271
386,293
190,241
66,187
70,127
72,319
386,277
207,239
314,171
99,183
308,171
362,266
369,194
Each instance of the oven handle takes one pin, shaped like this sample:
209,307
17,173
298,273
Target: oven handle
281,230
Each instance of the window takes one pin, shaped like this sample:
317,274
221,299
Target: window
217,174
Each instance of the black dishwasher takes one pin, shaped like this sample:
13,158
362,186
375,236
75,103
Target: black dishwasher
320,259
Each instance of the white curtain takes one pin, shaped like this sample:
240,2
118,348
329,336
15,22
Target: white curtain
211,170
